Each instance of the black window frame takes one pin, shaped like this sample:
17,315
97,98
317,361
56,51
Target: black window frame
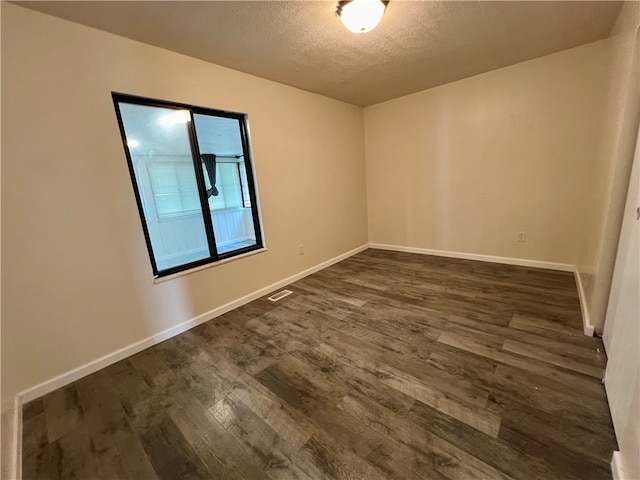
243,121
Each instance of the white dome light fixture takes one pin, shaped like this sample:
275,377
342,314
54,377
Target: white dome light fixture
361,16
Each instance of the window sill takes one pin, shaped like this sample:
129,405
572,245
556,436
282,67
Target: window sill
208,265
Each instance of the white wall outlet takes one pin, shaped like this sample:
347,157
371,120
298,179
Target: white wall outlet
522,236
301,249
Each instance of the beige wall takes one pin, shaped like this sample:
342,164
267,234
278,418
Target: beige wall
614,157
462,167
465,166
76,278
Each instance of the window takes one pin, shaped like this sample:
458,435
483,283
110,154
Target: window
193,181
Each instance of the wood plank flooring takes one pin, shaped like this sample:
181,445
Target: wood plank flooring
384,366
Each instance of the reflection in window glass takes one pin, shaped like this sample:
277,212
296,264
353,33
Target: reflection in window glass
232,216
193,181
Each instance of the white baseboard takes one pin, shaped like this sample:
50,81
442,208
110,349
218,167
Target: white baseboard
616,467
113,357
521,262
587,326
82,371
16,467
11,466
216,312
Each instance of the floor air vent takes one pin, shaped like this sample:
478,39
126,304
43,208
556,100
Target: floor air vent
280,295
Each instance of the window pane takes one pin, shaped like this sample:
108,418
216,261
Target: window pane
172,185
229,201
158,141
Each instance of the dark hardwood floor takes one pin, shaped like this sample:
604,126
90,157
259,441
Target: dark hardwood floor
384,366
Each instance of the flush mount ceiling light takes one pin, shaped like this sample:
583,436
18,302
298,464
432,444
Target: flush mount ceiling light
361,16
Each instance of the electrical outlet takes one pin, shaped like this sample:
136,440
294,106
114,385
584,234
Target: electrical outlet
301,249
522,236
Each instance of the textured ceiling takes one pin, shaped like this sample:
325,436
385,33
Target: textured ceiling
418,44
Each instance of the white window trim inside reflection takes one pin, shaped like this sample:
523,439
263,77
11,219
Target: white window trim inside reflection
234,181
